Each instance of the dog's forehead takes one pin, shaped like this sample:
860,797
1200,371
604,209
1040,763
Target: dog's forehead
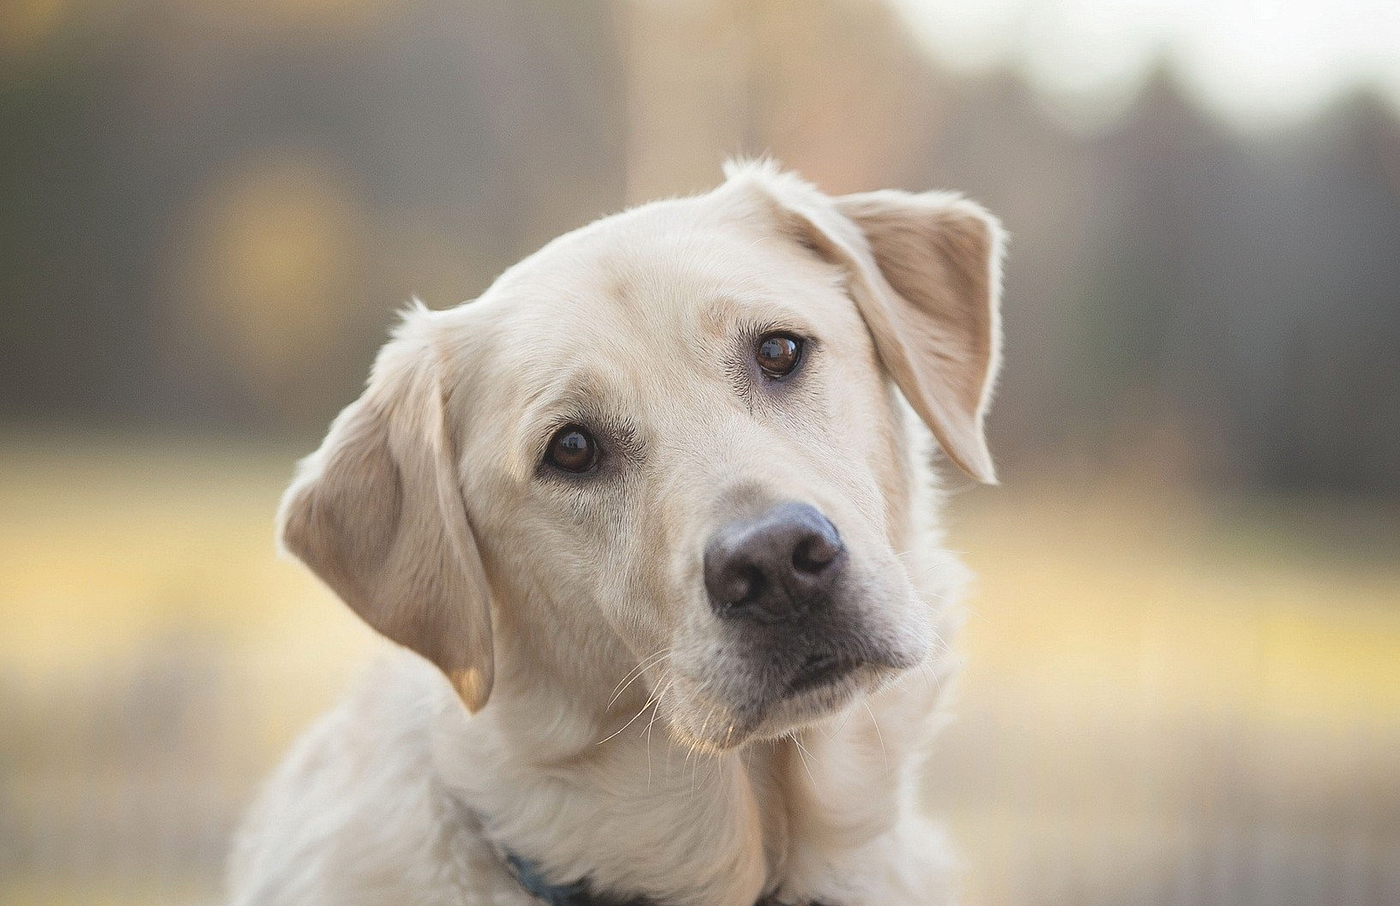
661,279
624,318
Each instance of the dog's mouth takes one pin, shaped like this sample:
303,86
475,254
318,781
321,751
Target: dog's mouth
822,685
772,687
820,670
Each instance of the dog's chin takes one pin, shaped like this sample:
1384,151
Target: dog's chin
788,709
794,709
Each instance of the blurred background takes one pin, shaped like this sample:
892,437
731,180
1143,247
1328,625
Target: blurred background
1183,654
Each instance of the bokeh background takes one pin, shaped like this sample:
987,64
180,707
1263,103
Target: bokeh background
1183,655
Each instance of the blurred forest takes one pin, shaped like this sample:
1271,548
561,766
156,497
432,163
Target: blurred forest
208,213
1183,652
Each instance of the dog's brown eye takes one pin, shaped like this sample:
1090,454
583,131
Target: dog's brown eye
573,449
778,354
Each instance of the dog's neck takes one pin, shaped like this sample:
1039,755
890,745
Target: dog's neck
632,814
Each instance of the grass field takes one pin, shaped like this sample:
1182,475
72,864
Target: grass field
1168,698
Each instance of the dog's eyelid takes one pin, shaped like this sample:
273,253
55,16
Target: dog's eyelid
758,332
614,436
753,330
548,430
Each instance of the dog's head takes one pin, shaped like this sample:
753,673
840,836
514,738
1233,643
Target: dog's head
672,441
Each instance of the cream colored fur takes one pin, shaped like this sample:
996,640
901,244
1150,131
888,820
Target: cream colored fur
568,694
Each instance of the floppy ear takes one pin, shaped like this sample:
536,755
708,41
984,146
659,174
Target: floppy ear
378,514
925,273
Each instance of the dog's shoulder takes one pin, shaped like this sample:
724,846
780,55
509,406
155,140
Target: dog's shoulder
356,813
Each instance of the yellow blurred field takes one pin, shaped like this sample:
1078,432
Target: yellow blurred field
1168,698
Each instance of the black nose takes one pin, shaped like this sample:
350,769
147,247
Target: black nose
774,567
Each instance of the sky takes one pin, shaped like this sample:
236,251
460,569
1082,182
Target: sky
1259,64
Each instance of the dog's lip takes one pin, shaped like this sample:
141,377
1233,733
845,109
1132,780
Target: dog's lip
821,669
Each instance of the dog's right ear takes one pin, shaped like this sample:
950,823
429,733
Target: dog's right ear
924,270
378,514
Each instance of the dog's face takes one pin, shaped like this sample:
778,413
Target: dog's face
671,441
692,444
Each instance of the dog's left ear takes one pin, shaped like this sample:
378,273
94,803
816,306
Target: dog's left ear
925,272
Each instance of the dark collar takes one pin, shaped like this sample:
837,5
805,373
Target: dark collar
528,875
532,880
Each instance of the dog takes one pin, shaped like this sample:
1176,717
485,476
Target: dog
654,524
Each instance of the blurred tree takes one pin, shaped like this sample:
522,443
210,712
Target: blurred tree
208,214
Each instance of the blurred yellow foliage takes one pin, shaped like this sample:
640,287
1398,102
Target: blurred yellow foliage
270,255
1129,654
27,25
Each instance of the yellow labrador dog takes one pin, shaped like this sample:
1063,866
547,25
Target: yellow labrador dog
656,514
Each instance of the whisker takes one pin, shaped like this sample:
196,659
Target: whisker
695,764
636,672
802,756
878,735
846,720
651,702
655,713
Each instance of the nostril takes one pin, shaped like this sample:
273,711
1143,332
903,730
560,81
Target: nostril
738,585
816,552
